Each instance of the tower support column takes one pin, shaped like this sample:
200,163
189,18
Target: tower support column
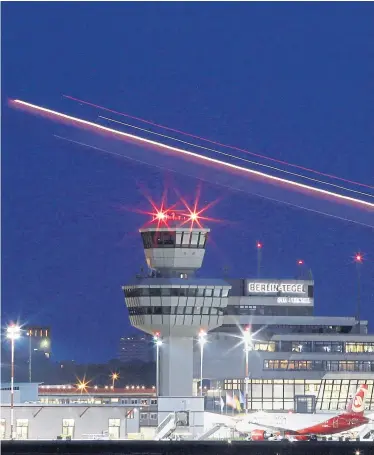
176,366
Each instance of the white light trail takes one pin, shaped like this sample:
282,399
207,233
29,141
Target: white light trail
337,196
240,158
213,181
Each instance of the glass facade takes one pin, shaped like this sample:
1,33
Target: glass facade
187,291
269,310
323,347
320,365
175,310
174,239
280,394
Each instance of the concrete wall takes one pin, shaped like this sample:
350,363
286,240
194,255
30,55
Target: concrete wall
176,367
46,422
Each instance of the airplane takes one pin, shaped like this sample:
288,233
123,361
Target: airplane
263,426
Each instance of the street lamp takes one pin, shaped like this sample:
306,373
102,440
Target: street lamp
259,246
13,332
158,342
358,261
114,377
247,339
202,341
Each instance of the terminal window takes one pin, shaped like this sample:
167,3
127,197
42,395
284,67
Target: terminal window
114,428
22,428
2,429
68,427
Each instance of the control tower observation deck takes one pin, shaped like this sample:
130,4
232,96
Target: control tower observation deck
172,302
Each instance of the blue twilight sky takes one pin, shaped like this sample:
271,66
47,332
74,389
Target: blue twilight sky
294,81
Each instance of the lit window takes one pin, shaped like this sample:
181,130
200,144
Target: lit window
2,429
114,428
22,428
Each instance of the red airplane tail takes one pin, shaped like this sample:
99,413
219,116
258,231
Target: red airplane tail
356,405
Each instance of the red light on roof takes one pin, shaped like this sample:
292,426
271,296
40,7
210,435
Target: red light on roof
160,216
300,262
259,245
194,216
358,257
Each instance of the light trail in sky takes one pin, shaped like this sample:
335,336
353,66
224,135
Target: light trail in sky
232,188
120,134
258,155
240,159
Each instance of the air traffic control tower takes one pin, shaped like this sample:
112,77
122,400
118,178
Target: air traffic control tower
171,301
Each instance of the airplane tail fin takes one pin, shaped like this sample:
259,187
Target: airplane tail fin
357,403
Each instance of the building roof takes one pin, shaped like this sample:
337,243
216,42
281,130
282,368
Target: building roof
47,390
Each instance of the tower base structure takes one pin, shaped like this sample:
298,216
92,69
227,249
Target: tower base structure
184,415
176,367
177,308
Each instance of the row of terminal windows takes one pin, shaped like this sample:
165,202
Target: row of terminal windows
291,328
315,346
148,416
325,347
37,332
319,365
175,310
67,428
269,310
176,292
160,239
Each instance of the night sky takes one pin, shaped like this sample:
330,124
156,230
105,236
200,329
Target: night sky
293,81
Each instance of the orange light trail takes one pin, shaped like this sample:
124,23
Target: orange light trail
206,159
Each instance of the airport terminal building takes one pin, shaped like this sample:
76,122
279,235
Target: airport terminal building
297,361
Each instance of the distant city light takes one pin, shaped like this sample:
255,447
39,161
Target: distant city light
300,262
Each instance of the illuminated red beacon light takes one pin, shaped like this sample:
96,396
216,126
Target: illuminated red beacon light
358,257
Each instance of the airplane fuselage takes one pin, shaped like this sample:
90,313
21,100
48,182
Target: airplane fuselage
302,424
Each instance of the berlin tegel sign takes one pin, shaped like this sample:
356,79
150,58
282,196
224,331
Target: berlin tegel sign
273,287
